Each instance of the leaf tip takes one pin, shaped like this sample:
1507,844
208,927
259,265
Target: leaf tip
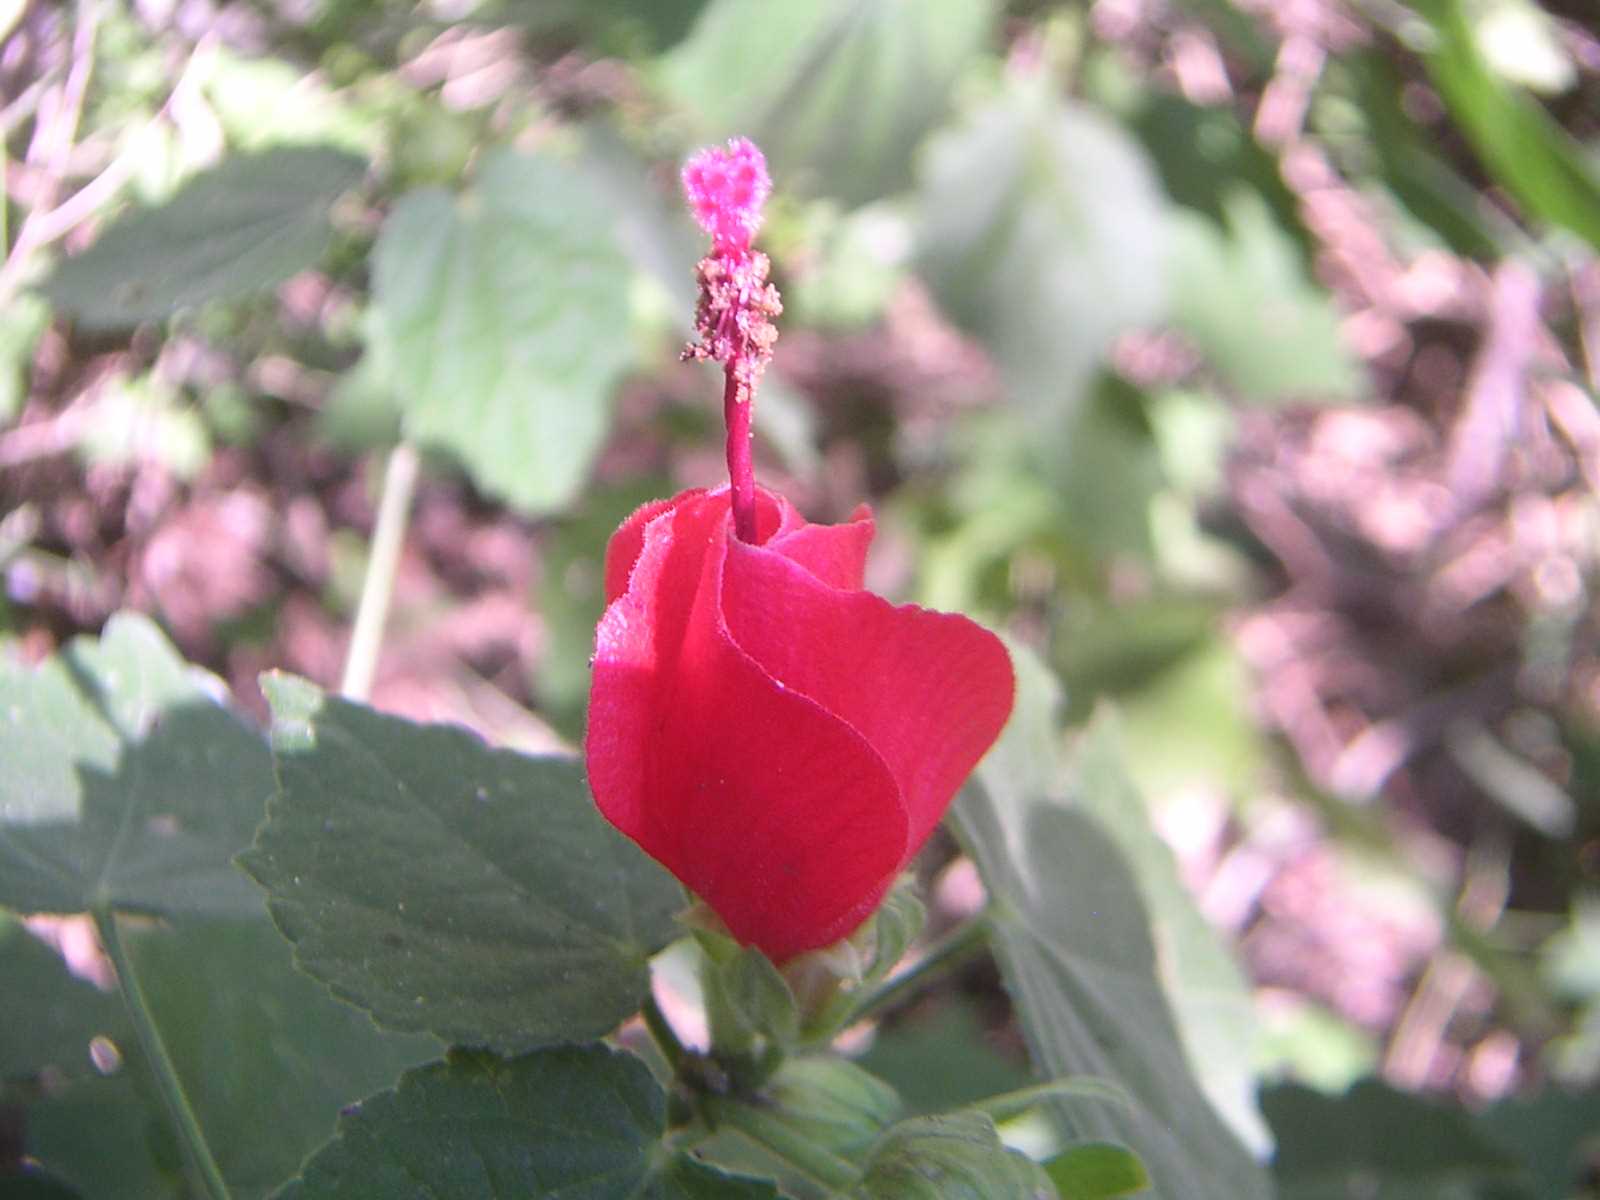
295,703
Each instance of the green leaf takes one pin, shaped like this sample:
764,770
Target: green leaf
1205,693
1096,1171
1374,1141
1205,155
473,893
568,1122
32,1185
1105,472
51,1015
1072,937
1113,648
1204,985
1536,160
822,1101
1420,177
942,1061
1241,291
1554,1133
503,314
126,785
636,26
953,1157
243,226
1041,233
258,1045
749,1005
838,93
103,1137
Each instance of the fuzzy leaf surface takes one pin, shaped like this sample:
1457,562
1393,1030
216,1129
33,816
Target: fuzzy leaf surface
127,785
1073,940
450,888
566,1122
242,226
502,318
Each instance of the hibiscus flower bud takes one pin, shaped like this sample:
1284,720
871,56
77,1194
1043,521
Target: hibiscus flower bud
780,739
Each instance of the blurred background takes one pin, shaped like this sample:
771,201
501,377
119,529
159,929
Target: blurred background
1240,358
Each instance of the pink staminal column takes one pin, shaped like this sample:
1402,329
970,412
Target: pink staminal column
726,189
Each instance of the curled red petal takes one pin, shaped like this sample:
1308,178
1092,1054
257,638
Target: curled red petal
622,551
928,691
835,554
776,813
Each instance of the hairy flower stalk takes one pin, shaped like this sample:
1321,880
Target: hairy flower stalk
727,188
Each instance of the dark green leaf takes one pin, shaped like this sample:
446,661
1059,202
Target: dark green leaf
241,227
1204,985
259,1046
1374,1141
51,1015
126,785
942,1061
503,316
954,1157
1536,160
1042,234
625,25
1205,155
34,1185
1072,937
568,1122
1554,1132
105,1137
473,893
1096,1171
838,93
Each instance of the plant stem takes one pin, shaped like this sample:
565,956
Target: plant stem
394,508
949,952
800,1152
666,1037
736,405
161,1064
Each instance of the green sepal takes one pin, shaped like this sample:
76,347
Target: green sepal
830,982
950,1157
751,1011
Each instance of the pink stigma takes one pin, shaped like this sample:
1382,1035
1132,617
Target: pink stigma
726,189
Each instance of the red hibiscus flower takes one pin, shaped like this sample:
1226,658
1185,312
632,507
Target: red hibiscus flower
778,738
